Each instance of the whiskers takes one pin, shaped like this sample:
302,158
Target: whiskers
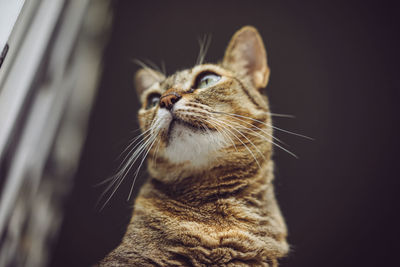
138,149
151,67
220,130
204,45
264,135
243,129
268,125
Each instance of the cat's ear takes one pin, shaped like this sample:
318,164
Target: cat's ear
145,78
246,55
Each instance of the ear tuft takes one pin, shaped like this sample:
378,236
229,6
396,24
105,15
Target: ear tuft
145,78
246,56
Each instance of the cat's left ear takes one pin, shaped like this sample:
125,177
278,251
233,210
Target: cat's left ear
145,78
246,56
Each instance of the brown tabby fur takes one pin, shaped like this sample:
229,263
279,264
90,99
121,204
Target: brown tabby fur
217,207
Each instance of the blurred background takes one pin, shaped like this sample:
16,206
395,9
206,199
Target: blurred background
334,66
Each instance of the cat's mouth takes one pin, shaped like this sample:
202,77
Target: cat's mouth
182,125
179,122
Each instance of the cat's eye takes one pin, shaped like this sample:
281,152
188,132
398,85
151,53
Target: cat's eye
152,100
206,79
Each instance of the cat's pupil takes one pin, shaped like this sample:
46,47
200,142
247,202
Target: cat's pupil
207,79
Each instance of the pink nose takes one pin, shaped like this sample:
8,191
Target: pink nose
168,99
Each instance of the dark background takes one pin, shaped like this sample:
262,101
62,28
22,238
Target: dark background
334,65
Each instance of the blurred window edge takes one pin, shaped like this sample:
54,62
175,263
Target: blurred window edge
47,84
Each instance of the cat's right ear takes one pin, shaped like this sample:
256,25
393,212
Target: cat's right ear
246,56
145,78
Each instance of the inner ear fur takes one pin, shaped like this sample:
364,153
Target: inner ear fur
145,78
246,56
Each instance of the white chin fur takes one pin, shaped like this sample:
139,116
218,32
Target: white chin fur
164,118
196,147
193,146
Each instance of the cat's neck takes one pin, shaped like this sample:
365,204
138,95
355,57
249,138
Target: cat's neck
220,182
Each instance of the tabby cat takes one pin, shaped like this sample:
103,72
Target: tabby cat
209,198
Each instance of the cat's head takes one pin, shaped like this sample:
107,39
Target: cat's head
209,114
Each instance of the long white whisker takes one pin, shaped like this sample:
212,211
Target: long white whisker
140,165
281,115
253,132
155,66
204,45
163,68
270,135
227,134
148,134
269,125
222,132
147,68
207,108
271,141
251,152
119,177
242,135
120,165
131,142
137,152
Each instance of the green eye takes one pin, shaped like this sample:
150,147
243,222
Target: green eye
207,79
152,100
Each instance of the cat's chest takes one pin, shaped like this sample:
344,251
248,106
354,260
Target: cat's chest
205,244
218,233
208,243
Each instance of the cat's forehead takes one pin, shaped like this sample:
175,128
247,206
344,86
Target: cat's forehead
184,79
180,79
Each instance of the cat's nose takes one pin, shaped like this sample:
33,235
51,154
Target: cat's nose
169,98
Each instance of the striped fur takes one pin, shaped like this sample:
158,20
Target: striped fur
209,200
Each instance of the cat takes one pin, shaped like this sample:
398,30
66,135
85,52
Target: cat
209,198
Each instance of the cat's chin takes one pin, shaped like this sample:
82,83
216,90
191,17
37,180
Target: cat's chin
187,143
192,145
178,127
